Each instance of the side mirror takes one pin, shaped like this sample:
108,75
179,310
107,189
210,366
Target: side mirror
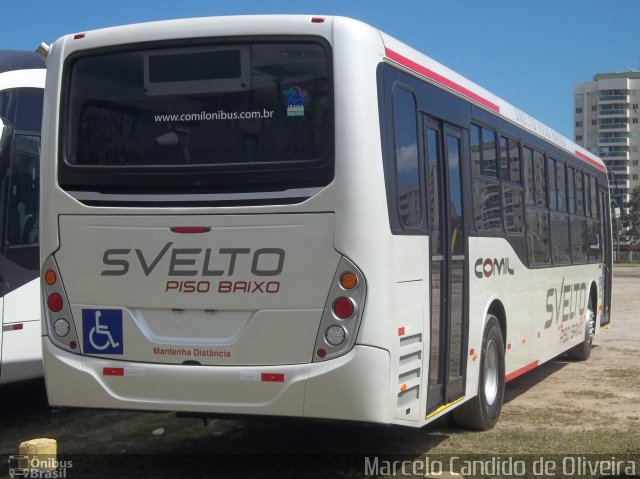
6,131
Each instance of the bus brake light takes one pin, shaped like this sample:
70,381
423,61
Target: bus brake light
343,308
54,302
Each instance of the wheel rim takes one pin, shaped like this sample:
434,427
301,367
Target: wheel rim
591,323
491,373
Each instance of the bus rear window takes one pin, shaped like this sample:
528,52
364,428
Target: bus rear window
230,115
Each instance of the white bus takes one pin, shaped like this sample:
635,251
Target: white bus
301,216
22,77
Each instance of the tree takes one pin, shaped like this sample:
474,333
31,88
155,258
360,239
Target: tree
630,220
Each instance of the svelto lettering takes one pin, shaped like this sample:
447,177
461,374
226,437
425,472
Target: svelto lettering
205,263
185,262
565,303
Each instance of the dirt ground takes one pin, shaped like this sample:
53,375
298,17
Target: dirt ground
574,407
562,407
602,393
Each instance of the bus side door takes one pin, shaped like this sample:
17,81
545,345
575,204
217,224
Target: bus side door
448,327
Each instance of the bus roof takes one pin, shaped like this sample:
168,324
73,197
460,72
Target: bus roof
11,60
411,59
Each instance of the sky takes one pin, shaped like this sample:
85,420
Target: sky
528,52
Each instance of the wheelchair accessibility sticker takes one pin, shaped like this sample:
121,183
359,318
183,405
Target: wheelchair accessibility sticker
102,331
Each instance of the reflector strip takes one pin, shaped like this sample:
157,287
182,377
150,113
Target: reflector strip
113,371
401,331
521,371
13,327
591,161
436,77
272,377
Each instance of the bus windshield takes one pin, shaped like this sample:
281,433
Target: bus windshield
245,107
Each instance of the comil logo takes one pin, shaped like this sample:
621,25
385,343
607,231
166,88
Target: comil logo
487,267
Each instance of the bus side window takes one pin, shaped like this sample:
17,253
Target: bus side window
22,215
407,166
22,225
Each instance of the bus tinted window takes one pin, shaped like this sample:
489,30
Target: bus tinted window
561,185
560,250
407,169
579,193
489,165
456,219
540,180
29,111
594,196
513,210
527,161
593,241
486,201
433,162
578,240
504,158
553,191
22,222
509,160
571,189
514,162
475,148
268,107
538,237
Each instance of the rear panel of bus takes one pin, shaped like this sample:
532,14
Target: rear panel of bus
195,259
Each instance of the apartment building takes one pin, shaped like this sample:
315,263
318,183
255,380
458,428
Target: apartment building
606,122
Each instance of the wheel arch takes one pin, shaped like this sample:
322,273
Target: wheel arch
593,293
496,308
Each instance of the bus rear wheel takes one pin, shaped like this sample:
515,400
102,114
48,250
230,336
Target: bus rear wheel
582,351
482,412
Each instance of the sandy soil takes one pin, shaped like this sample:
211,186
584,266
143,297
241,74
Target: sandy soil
601,393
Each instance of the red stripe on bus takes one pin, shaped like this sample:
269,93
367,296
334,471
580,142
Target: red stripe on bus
591,161
113,371
272,377
416,67
521,371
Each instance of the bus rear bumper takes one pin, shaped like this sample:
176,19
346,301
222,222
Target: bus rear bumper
352,387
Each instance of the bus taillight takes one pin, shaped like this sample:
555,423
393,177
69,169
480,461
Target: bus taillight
343,308
57,315
54,302
342,314
348,280
50,277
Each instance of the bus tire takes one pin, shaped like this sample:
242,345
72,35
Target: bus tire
482,412
582,351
